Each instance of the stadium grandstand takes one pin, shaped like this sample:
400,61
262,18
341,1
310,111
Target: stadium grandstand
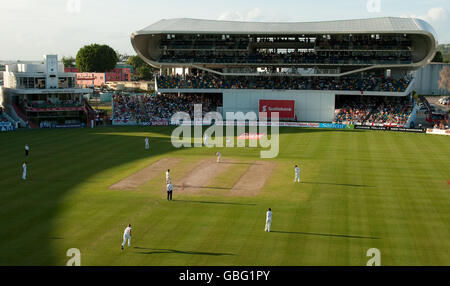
42,95
352,70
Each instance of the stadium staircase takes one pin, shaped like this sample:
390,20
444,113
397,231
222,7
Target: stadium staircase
425,101
18,113
8,117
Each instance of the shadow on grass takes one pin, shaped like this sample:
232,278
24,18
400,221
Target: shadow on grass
217,203
334,184
174,251
325,234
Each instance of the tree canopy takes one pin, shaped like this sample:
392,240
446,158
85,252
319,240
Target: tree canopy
143,70
69,62
96,58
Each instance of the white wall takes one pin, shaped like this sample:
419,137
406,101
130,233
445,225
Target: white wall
313,106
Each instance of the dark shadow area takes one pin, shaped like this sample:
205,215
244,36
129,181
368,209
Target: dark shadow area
214,203
324,234
334,184
174,251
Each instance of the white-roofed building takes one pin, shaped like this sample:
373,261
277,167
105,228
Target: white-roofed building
38,94
311,63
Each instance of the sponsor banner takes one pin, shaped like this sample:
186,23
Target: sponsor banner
299,124
403,129
380,125
124,122
69,126
256,123
285,108
370,127
333,125
438,131
251,136
155,123
387,128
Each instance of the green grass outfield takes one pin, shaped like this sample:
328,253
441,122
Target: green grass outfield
360,190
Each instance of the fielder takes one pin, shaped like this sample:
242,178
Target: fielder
127,236
297,174
168,180
268,220
218,155
27,150
24,171
147,144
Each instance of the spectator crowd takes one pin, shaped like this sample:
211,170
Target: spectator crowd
147,108
375,111
312,57
369,83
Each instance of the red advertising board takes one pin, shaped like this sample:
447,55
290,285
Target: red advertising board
285,108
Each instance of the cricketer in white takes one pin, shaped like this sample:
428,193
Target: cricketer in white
268,220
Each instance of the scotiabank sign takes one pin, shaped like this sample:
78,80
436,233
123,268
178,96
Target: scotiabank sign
285,108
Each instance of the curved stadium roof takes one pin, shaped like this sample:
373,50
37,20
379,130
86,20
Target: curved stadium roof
374,25
146,41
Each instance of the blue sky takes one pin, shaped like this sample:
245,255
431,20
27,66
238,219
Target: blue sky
32,28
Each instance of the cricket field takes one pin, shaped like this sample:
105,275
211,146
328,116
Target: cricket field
359,190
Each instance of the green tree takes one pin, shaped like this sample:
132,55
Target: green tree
438,58
69,62
136,62
96,58
142,69
144,72
122,57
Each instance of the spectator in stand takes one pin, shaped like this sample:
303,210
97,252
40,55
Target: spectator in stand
148,108
375,111
369,83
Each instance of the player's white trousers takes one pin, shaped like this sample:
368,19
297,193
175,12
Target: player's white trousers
125,238
24,175
297,178
147,146
268,223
